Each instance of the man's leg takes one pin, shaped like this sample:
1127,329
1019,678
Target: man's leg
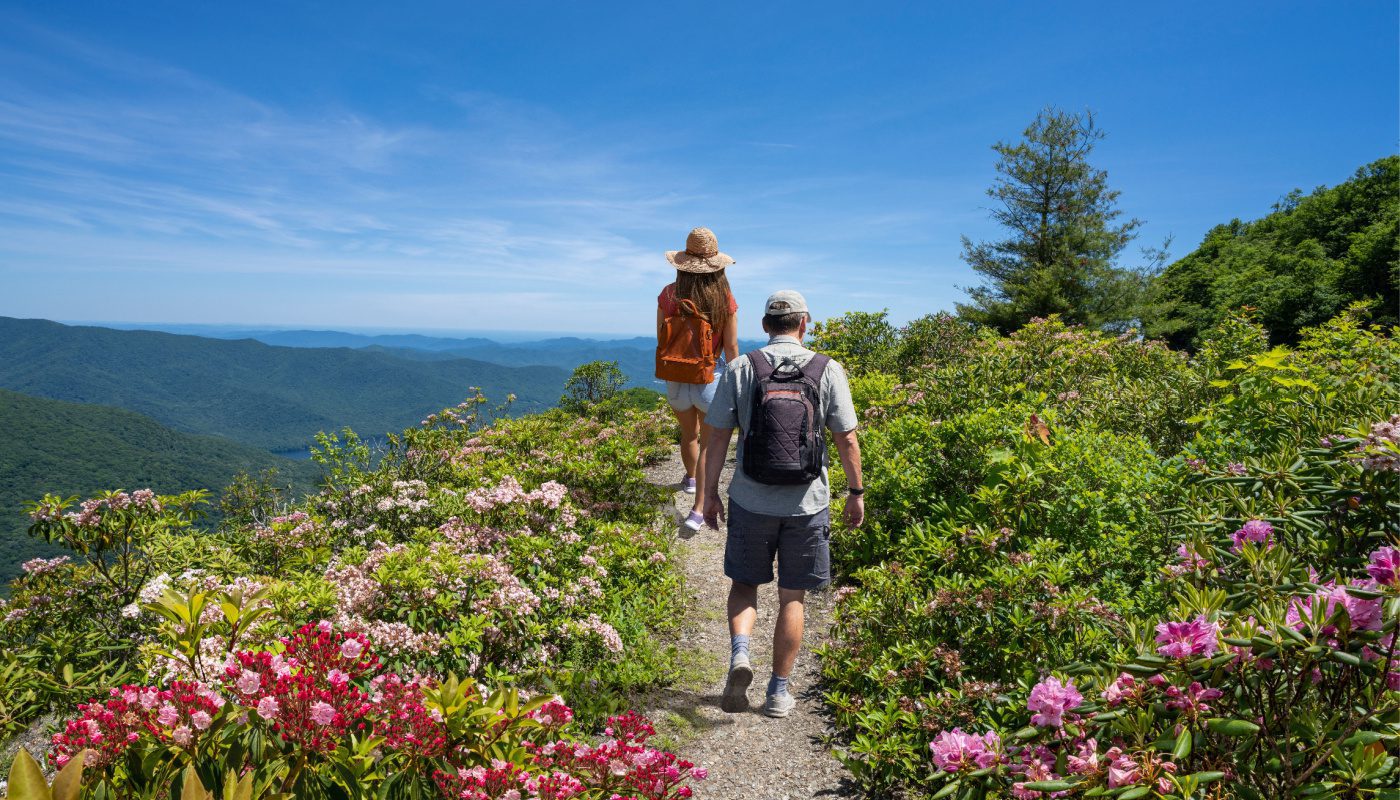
748,563
743,609
804,562
787,633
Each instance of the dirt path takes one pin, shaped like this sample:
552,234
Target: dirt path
749,756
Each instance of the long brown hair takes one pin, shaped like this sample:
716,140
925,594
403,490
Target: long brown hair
709,292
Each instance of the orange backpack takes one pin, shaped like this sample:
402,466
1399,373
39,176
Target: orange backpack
685,350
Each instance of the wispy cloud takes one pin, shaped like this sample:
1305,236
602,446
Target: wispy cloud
118,165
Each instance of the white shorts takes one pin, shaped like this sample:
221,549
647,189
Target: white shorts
685,396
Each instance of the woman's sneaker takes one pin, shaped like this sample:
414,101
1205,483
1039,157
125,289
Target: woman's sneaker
694,521
688,486
736,687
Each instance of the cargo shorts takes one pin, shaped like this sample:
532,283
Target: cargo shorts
801,544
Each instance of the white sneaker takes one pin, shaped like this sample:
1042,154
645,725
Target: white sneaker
779,705
736,687
688,486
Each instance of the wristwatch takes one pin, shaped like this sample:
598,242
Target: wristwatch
855,492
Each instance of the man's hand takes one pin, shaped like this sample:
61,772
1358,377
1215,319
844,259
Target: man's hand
714,510
855,510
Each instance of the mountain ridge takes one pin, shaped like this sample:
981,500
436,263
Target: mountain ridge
269,396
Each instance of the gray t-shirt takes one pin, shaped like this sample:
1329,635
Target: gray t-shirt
733,406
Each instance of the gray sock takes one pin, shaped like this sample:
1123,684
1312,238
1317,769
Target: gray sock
738,644
777,685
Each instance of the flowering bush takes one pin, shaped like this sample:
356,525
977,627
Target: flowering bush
521,553
316,714
1027,516
1291,692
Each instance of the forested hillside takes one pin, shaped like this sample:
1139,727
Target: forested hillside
276,398
75,448
1298,266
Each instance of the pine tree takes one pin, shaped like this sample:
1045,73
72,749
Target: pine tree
1060,257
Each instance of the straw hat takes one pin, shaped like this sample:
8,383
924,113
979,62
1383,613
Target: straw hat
701,253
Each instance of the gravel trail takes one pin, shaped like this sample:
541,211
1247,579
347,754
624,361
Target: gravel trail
749,756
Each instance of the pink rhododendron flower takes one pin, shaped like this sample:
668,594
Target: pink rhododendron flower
1124,688
201,720
1194,701
1384,566
1255,531
955,751
1188,639
1050,699
1188,561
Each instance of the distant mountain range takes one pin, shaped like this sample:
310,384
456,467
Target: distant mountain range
635,355
51,446
271,397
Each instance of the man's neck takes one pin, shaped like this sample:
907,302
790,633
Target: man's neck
788,338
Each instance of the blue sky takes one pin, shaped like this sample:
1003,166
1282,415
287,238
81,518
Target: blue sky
522,165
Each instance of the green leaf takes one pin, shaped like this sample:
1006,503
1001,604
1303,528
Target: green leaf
1346,658
26,779
1182,749
1232,727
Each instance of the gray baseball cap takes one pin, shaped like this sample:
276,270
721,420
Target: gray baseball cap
786,301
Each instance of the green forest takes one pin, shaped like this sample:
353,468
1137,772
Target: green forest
274,398
79,449
1297,267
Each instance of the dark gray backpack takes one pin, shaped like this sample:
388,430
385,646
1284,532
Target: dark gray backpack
785,444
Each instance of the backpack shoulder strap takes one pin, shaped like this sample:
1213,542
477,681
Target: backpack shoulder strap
688,308
814,368
762,367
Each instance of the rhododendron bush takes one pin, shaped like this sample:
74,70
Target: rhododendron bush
1094,567
523,552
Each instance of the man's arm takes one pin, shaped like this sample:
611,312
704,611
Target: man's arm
848,448
711,464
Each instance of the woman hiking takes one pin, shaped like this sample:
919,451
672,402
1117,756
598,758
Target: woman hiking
696,336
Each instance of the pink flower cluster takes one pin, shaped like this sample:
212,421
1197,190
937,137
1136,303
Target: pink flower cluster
1255,531
1188,560
178,715
1124,690
1192,639
91,511
1050,699
509,491
307,693
1384,566
1381,446
622,764
1363,613
325,685
955,751
35,567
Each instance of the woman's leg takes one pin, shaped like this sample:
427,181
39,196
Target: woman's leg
689,420
705,431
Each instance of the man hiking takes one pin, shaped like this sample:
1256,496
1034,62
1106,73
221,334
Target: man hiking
783,397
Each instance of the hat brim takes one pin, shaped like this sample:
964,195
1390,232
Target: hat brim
688,262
